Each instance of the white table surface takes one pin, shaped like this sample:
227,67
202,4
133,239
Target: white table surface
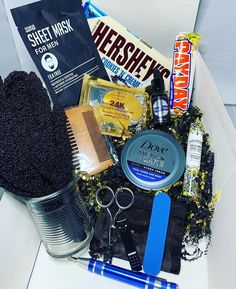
51,273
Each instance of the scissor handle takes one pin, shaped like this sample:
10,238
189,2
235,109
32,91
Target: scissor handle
98,200
121,190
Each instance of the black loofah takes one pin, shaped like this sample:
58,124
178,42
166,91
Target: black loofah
35,153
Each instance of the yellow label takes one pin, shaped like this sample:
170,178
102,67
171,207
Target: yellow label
125,101
112,120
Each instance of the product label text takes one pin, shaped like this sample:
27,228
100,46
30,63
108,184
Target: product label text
181,74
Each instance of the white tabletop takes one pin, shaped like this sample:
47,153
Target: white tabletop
51,273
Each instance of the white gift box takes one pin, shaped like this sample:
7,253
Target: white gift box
25,264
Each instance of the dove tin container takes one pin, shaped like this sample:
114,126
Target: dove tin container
153,160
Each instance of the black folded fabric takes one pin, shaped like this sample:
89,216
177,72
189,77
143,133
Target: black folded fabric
138,217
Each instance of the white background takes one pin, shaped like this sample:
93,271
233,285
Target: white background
216,21
16,263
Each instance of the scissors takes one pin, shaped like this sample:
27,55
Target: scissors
105,197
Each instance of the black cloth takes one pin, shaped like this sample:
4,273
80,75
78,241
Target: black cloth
138,217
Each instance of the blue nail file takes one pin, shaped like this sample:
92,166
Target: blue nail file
157,231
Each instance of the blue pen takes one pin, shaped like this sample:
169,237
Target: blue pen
138,279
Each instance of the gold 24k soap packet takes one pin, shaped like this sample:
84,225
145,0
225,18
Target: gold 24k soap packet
117,107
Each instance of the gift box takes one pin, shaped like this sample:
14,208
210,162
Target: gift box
22,254
25,263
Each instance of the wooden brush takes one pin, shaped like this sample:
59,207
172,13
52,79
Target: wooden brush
90,152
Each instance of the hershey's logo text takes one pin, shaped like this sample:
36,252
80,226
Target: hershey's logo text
125,53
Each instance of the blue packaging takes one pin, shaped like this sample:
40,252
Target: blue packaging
58,38
92,11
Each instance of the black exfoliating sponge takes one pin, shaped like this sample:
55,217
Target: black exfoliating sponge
35,152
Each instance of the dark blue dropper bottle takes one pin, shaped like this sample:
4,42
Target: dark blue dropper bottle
159,101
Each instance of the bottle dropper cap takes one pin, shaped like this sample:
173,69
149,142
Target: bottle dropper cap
157,84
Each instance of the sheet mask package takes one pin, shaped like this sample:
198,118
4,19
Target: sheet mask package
57,36
125,55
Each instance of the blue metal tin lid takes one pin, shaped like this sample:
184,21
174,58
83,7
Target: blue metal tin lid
153,160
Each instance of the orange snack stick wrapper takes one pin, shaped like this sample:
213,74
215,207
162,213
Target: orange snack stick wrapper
183,70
